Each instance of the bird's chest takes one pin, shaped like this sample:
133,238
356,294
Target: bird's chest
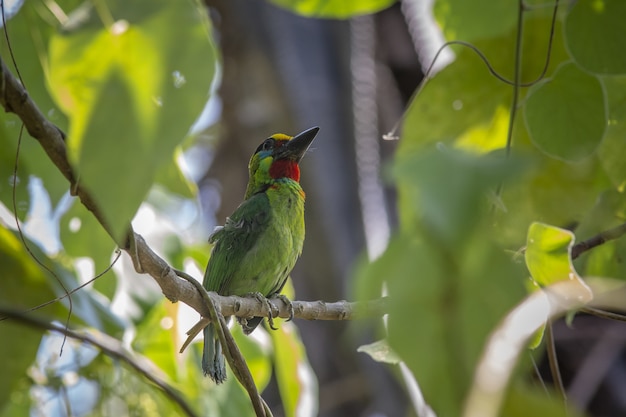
287,220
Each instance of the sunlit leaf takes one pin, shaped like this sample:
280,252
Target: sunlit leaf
548,254
132,93
595,35
334,9
28,34
566,115
469,21
380,351
156,337
296,380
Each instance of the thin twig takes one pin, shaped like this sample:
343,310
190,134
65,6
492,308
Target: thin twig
603,314
554,363
598,240
113,348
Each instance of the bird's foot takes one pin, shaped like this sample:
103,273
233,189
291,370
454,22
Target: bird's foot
261,298
287,301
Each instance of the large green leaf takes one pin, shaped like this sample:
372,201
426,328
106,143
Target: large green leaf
131,90
28,34
475,115
334,9
566,115
447,189
612,151
595,35
448,280
472,20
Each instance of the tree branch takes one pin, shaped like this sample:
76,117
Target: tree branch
598,240
113,348
15,99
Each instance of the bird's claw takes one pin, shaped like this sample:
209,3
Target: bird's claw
285,300
263,300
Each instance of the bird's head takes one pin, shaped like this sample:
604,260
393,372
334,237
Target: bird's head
277,158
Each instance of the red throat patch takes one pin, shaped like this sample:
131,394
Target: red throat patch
284,168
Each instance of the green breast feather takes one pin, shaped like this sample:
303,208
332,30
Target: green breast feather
259,244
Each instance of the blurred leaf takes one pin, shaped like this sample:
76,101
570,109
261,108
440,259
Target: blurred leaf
595,35
470,21
448,188
256,354
566,115
479,108
612,151
522,401
606,260
19,401
380,351
23,285
548,254
333,9
7,164
28,34
296,380
445,305
172,179
132,92
156,337
83,236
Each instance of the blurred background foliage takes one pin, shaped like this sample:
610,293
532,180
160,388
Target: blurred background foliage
163,103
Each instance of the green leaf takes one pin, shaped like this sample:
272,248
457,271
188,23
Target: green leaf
594,30
445,305
566,115
447,188
24,285
522,401
131,92
612,151
172,178
472,20
480,109
296,380
156,337
28,34
604,260
257,356
380,351
83,236
548,254
333,9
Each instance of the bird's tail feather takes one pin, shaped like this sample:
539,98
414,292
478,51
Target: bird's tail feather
213,363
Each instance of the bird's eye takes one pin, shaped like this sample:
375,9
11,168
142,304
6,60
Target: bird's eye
267,145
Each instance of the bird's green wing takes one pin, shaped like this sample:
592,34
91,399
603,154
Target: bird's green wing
234,240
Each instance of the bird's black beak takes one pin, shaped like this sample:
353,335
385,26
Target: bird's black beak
298,145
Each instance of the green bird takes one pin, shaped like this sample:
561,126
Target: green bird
258,246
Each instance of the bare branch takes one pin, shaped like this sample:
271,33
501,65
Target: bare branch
598,240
